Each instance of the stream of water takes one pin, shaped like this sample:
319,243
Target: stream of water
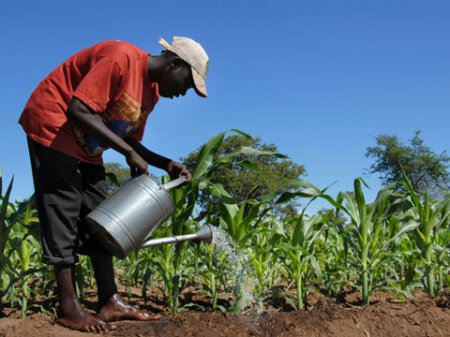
240,270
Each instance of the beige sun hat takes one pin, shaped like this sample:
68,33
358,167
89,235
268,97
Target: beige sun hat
194,54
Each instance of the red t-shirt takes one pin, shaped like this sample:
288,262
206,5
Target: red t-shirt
112,79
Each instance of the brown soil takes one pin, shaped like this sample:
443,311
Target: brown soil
386,317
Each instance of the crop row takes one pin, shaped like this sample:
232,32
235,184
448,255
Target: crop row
398,243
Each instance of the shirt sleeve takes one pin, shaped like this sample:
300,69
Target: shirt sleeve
100,84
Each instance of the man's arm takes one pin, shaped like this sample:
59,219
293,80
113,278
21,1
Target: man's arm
88,121
174,169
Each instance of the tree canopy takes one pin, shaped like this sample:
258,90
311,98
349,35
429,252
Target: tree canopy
427,171
116,175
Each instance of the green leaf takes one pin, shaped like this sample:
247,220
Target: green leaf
315,265
113,178
297,184
246,135
4,207
305,193
4,229
219,192
207,153
248,164
248,151
359,198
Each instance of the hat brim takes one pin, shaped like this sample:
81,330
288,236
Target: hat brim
200,85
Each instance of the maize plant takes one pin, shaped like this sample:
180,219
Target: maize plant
442,262
404,266
298,256
5,228
365,232
174,268
28,246
15,244
364,245
185,198
212,276
26,269
263,260
248,226
20,247
240,221
332,252
432,222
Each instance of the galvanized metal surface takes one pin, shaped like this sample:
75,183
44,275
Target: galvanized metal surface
204,234
123,221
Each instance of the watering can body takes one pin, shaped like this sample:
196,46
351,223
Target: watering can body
124,220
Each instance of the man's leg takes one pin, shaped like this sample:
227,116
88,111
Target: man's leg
104,277
111,307
58,198
70,312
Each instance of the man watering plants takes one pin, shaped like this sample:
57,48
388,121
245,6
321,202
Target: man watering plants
99,98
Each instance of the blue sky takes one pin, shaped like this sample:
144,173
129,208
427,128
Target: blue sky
319,79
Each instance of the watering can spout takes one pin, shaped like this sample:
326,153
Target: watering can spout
204,234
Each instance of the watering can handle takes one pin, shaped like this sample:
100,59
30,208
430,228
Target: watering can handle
174,183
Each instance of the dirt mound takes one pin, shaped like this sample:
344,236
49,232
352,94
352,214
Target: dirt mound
418,317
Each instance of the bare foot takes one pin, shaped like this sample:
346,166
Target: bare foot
117,309
76,318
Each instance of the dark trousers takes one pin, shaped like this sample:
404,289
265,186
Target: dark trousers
66,191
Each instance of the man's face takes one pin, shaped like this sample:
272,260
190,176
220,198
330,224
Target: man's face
177,80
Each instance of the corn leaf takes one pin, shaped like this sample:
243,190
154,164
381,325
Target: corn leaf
207,153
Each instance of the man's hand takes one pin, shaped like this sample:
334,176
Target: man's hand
177,170
137,164
174,169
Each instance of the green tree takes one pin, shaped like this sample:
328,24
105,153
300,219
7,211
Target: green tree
254,177
427,171
116,175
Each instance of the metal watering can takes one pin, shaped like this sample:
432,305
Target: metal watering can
123,221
